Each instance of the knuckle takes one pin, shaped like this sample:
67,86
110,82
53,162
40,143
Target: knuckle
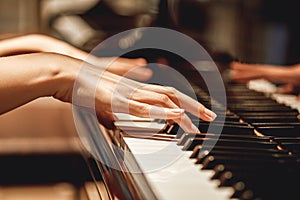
144,110
171,90
164,98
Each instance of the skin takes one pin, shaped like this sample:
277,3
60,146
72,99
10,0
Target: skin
31,43
287,75
26,77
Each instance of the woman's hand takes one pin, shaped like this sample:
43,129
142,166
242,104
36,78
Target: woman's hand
26,77
288,75
110,93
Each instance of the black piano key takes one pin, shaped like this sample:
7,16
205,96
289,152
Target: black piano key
274,113
224,122
174,129
229,178
240,108
211,161
199,148
238,188
279,180
256,108
222,118
294,147
244,92
291,144
281,140
234,127
201,156
255,103
262,124
227,129
266,118
204,127
185,137
270,165
262,178
209,142
219,169
277,131
254,98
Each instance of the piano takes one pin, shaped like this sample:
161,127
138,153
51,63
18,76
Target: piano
250,152
256,155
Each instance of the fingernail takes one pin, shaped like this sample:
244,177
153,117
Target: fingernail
210,114
177,110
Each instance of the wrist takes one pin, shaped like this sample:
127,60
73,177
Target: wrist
30,76
64,72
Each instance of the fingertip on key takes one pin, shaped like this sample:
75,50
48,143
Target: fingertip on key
210,114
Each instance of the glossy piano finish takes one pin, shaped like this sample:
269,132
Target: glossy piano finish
241,165
42,158
179,179
116,167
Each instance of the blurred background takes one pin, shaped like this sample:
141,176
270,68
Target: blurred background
262,31
35,136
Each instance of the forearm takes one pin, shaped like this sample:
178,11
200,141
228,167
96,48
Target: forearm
20,44
38,43
24,78
289,74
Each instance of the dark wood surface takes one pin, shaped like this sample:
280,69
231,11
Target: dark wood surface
41,155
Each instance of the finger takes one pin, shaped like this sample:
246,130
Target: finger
151,111
243,76
186,124
163,100
177,115
285,89
244,66
152,98
184,101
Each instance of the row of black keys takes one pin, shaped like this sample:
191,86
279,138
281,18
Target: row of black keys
248,113
257,110
255,167
263,167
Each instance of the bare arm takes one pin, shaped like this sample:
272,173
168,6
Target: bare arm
38,43
278,74
24,78
31,43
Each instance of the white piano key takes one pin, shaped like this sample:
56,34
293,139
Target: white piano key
266,86
262,85
172,174
128,117
129,126
287,99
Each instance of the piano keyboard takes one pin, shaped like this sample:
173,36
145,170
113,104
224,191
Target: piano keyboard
256,156
178,180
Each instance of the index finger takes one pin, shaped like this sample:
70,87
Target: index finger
184,101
